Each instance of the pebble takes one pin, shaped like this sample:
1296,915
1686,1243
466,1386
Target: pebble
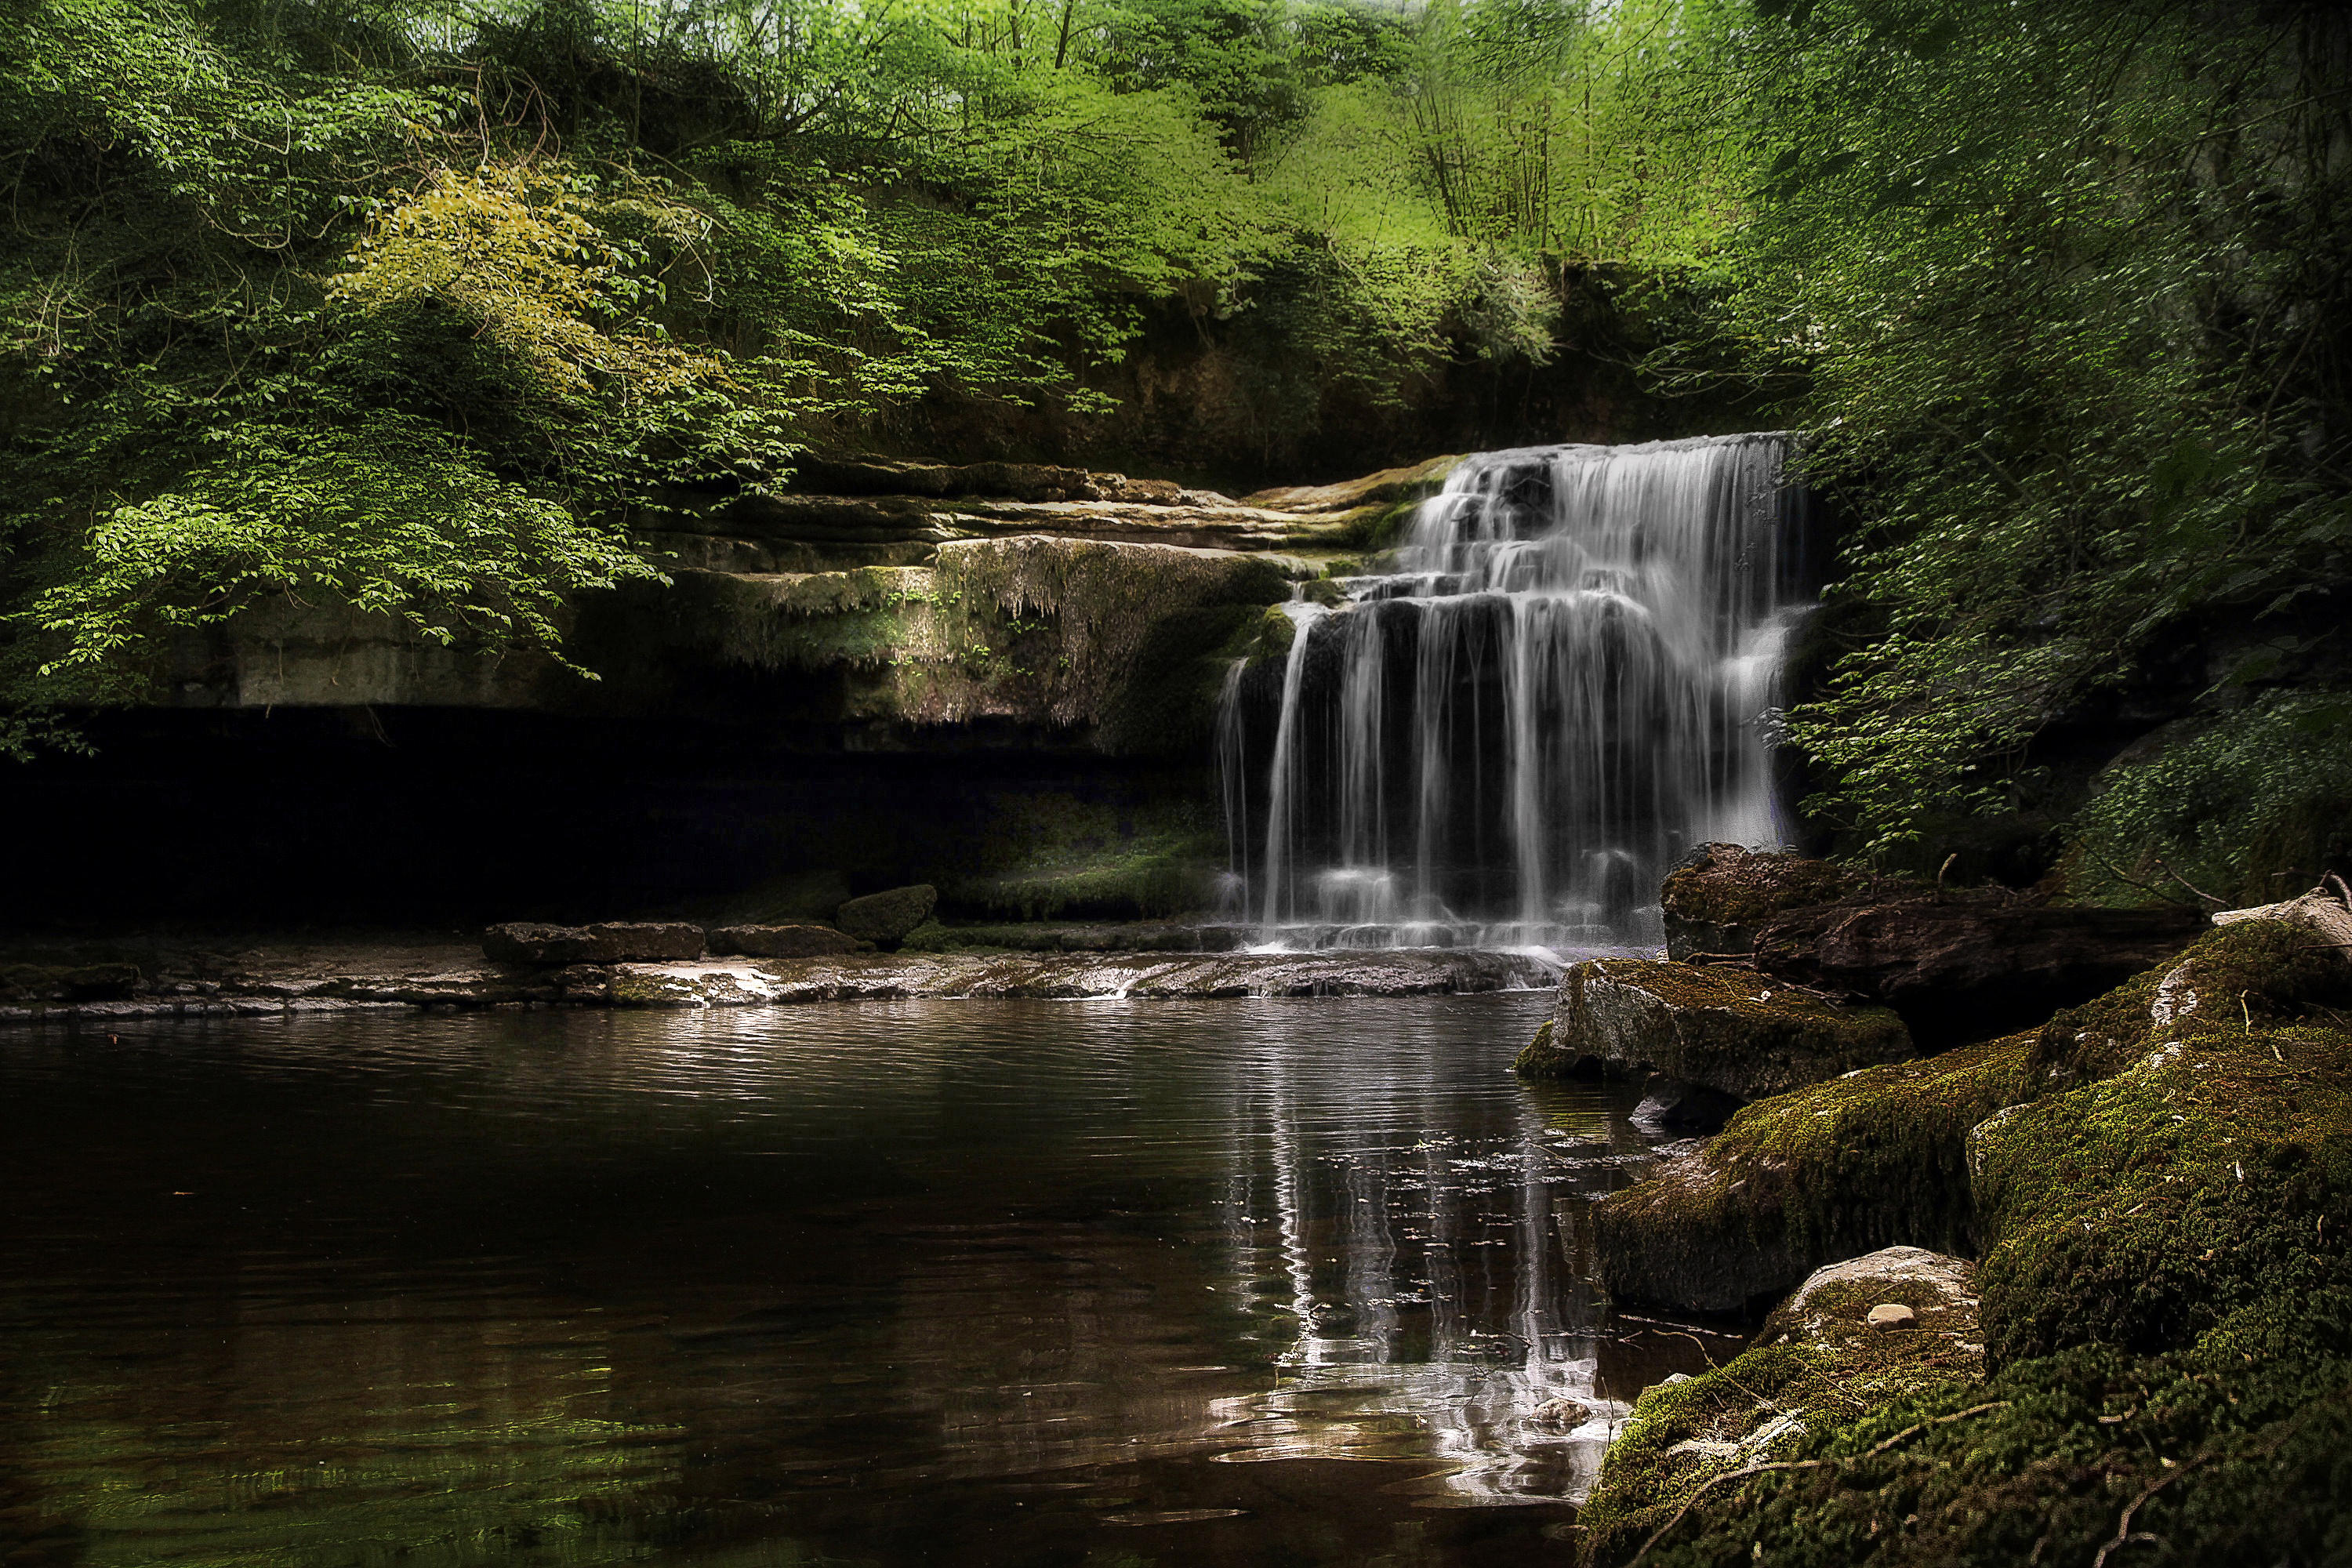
1892,1315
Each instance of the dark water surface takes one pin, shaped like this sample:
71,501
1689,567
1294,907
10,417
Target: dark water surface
1095,1283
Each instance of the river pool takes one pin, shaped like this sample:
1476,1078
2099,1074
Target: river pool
1109,1283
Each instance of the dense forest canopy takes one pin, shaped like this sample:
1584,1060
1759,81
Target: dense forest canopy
412,304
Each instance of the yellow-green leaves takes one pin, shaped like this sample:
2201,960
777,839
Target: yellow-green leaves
531,260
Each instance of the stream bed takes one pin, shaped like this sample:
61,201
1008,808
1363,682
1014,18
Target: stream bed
1106,1283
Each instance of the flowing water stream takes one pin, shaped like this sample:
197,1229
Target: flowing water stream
1568,673
983,1283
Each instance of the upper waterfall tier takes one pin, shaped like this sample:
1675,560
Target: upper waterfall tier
1569,674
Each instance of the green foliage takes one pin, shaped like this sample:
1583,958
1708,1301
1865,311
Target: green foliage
394,517
2062,287
412,305
2250,808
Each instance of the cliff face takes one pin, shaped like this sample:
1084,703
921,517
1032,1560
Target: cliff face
922,607
1000,678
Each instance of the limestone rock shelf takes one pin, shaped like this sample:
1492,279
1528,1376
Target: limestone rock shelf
916,600
452,977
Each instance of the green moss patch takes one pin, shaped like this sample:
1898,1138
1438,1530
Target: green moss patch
2167,1309
1764,1407
1877,1158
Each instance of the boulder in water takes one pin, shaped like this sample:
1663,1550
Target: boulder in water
1717,899
886,918
609,942
1973,961
1715,1026
793,940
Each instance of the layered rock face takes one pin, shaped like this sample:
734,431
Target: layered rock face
874,598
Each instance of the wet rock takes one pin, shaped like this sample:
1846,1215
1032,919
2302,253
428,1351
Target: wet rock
1717,899
1672,1104
1974,961
884,918
1562,1413
609,942
1388,487
781,940
1027,936
1899,1284
1716,1026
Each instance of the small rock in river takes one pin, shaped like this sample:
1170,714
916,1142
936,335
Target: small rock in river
1562,1412
1892,1315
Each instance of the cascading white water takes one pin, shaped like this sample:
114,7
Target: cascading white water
1567,676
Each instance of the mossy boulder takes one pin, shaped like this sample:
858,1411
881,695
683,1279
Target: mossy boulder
2165,1303
1722,894
2246,972
886,918
1818,1361
1877,1158
1718,1026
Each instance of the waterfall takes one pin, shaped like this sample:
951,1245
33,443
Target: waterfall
1568,673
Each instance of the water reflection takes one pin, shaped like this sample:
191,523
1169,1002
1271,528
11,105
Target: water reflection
802,1285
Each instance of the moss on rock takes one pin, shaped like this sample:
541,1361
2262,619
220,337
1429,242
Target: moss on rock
1817,1363
1877,1158
2166,1306
1718,1026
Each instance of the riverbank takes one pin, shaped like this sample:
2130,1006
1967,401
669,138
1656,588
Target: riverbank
2139,1332
95,982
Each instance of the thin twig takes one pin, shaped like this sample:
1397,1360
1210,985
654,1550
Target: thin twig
1803,1465
2124,1535
2193,887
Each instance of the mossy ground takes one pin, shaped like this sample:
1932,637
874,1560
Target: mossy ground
2166,1306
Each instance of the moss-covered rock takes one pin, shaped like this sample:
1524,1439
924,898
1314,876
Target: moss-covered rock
1718,1026
2166,1308
1877,1158
1817,1363
886,918
2246,972
1714,901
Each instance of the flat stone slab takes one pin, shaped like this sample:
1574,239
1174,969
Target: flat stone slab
329,977
787,941
607,942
